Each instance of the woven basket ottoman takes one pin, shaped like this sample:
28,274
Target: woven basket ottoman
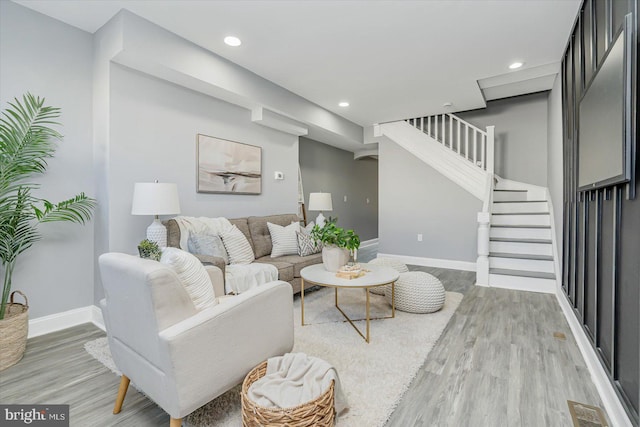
397,265
418,292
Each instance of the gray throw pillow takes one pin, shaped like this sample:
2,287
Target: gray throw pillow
207,244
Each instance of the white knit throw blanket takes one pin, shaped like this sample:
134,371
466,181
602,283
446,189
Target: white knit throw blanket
294,379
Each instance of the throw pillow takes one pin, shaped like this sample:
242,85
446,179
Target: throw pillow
306,245
283,239
192,274
237,246
207,244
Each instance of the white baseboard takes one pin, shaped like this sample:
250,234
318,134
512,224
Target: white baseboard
610,400
433,262
367,243
66,319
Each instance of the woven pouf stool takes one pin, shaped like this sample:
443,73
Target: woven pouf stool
397,265
418,292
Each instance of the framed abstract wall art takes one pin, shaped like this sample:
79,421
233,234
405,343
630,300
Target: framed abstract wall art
228,167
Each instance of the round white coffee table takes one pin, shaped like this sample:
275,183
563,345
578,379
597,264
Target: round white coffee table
374,276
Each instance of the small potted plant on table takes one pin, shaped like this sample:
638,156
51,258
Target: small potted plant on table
338,244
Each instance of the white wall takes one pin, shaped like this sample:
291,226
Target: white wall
414,198
555,159
521,136
53,60
332,170
153,136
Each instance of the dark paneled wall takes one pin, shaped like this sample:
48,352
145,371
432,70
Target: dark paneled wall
601,266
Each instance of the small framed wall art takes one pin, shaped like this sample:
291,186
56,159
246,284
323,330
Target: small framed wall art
228,167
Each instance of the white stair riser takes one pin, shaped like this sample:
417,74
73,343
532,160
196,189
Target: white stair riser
521,248
532,284
520,207
520,220
509,196
521,264
521,233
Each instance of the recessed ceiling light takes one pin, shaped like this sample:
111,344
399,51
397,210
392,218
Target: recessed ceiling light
343,104
516,65
232,41
447,104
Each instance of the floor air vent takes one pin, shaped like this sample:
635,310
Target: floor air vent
586,415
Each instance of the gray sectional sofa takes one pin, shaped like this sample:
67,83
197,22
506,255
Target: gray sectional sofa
257,233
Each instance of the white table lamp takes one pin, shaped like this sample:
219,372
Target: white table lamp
155,198
320,202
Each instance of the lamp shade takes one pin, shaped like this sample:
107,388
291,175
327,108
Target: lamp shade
155,198
320,202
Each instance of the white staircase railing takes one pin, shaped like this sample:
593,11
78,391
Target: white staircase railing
476,146
470,142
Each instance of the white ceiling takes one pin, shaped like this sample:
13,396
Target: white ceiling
390,59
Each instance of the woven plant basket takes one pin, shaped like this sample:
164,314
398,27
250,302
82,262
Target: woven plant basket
13,332
318,412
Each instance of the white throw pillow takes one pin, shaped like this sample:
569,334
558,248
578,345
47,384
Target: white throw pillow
192,274
237,246
284,239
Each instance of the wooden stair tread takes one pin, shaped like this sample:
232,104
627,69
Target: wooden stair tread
521,256
519,240
519,201
522,273
520,213
519,226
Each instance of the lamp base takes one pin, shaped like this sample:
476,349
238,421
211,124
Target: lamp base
157,232
320,220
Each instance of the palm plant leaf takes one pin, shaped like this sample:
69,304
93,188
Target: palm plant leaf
26,140
77,209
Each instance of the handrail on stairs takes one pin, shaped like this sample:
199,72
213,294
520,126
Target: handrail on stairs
477,146
459,136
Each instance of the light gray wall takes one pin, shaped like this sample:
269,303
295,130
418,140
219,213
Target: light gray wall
331,170
53,60
153,136
521,136
555,160
415,198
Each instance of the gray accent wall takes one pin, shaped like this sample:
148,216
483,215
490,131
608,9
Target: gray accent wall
520,136
332,170
416,199
53,60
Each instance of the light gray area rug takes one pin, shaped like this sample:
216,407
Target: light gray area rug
374,376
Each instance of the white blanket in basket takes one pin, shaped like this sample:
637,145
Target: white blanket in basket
294,379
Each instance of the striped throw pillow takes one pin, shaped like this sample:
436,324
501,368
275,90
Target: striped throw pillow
192,274
283,239
237,246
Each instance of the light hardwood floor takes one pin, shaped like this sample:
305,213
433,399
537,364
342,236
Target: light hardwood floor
496,364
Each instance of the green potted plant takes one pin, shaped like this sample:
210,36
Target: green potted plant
149,250
26,142
338,244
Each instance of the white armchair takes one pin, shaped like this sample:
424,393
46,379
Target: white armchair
177,356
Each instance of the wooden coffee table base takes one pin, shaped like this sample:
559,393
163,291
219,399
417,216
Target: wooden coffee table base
367,318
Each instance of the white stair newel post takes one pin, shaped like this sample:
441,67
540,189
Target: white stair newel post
490,149
482,263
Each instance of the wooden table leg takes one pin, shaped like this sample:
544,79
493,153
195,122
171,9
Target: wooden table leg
368,319
302,300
